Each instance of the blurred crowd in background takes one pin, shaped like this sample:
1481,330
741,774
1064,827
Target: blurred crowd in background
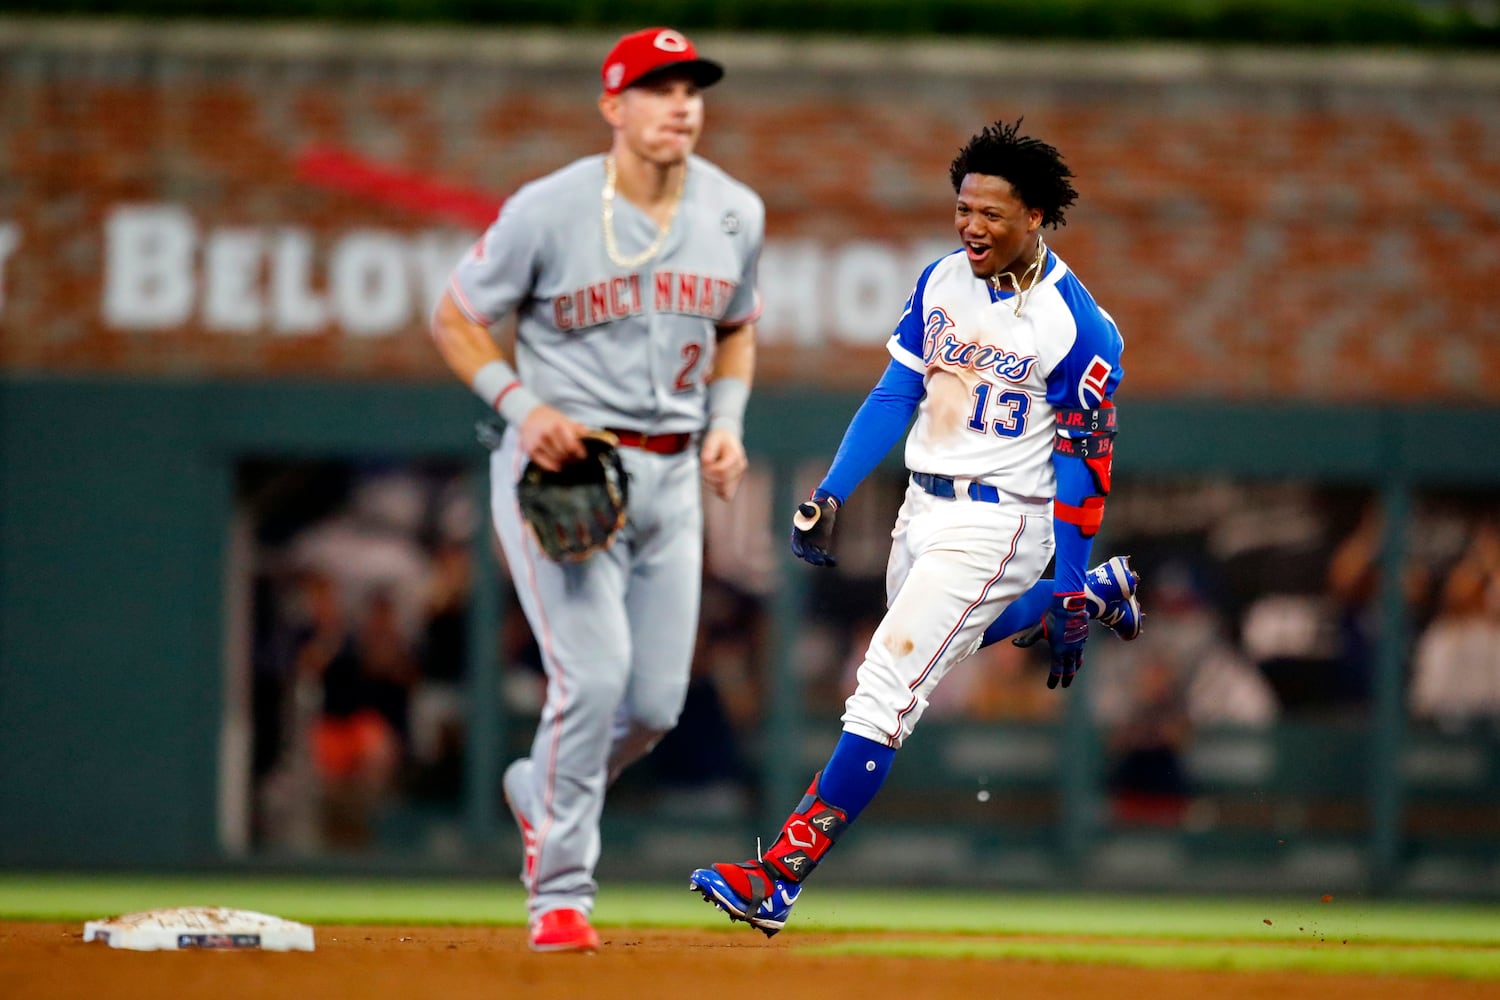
1261,599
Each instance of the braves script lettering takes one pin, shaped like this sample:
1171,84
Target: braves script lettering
942,348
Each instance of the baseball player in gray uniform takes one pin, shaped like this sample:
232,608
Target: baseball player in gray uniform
632,276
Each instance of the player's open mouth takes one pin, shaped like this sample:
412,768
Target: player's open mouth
976,251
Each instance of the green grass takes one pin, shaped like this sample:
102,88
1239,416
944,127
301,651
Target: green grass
1348,934
1180,918
311,900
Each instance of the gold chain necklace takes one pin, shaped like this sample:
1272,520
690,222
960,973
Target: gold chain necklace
607,212
1033,271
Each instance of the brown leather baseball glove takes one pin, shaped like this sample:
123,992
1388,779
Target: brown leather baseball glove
579,509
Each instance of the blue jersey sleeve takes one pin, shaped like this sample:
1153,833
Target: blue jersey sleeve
880,422
1090,371
1074,482
908,343
1087,376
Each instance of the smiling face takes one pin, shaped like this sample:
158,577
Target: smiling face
658,120
998,231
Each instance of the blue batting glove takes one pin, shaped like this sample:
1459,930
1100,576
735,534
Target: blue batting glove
1066,628
812,531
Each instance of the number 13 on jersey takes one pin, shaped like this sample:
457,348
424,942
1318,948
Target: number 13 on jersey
1005,414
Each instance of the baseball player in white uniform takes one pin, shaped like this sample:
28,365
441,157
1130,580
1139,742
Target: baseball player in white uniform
632,275
1009,366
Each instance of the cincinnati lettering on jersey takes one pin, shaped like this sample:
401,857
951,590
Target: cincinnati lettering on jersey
944,348
680,292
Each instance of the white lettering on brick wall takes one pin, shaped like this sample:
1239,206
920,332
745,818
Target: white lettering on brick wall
160,274
282,281
433,256
10,238
867,279
851,293
231,270
794,290
295,307
148,275
368,281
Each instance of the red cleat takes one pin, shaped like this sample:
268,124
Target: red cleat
563,930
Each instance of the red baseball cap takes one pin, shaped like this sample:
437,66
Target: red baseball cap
653,50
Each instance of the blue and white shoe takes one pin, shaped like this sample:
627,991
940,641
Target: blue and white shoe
1110,589
750,891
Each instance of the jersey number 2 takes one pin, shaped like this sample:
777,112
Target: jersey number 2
690,355
1010,411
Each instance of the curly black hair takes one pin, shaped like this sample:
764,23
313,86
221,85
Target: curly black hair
1035,170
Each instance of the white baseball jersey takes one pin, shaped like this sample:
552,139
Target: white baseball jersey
606,345
993,376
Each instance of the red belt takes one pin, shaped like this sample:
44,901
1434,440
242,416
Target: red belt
661,444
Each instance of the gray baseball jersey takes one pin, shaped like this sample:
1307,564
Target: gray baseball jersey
620,347
607,346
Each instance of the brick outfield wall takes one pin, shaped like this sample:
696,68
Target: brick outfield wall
1260,225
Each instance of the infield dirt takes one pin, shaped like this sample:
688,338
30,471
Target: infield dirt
50,960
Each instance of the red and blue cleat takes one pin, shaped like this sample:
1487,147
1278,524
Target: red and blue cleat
1110,590
751,891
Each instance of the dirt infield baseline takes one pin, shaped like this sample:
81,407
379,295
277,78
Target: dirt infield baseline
451,939
50,960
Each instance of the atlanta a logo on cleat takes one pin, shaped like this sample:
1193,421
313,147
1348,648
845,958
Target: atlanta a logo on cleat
795,861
